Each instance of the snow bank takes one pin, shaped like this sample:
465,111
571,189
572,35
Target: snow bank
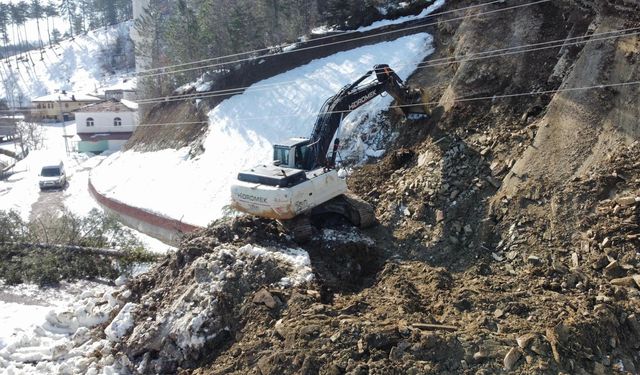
49,330
242,130
427,11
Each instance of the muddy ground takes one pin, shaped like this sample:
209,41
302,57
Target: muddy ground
508,229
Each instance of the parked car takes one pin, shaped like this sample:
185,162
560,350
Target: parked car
53,176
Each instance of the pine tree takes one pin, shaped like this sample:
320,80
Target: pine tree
36,12
68,8
50,11
4,26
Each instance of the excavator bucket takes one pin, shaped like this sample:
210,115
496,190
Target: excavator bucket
414,107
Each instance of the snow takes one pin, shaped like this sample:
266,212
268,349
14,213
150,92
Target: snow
65,97
242,130
60,22
121,324
73,65
430,9
52,326
129,104
21,190
297,259
41,322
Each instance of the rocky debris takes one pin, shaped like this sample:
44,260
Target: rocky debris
201,313
464,274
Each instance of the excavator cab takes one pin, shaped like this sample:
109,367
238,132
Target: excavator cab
291,153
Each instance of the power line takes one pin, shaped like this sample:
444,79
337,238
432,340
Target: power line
436,62
347,40
432,63
358,38
456,100
316,39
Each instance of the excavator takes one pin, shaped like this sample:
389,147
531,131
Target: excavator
303,180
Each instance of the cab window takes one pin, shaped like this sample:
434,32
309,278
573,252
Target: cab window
281,154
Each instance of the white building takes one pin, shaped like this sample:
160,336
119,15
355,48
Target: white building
106,125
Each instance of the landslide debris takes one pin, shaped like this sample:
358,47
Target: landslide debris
507,238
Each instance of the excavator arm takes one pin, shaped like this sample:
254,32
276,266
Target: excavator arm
351,97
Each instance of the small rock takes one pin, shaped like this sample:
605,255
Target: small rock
335,336
613,269
532,259
121,280
395,354
280,329
600,263
525,340
634,325
511,255
575,261
599,369
626,201
480,355
406,212
624,281
512,358
498,313
497,257
265,298
439,216
559,267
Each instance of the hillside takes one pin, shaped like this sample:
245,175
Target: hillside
512,220
507,228
87,63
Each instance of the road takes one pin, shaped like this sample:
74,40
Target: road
50,202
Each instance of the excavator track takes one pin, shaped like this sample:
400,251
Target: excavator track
354,209
299,228
361,209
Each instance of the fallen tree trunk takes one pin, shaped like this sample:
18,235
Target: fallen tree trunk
81,249
8,153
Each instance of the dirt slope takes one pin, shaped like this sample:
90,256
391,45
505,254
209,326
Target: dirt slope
507,238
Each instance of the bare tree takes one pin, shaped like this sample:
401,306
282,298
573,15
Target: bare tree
30,136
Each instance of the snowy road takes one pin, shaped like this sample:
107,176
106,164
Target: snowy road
21,192
50,202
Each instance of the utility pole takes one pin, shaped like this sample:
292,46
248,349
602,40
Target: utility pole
64,129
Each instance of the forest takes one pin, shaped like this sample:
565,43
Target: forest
73,16
183,31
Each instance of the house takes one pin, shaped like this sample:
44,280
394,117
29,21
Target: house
106,125
120,93
125,89
59,107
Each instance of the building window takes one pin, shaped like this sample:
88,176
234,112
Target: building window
117,121
66,105
89,121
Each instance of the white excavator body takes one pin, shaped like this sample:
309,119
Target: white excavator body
284,203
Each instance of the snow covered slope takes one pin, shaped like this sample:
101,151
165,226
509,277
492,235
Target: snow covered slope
74,65
242,130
